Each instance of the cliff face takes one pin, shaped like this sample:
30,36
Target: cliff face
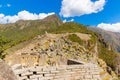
110,37
110,41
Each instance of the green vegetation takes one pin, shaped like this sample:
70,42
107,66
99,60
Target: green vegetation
3,45
18,35
25,30
108,56
71,27
75,38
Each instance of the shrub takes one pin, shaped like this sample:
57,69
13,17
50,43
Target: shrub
108,56
3,45
75,38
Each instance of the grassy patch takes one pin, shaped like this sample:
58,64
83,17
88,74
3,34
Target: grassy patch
75,38
108,56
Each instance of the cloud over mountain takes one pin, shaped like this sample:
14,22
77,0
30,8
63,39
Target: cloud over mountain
22,15
71,8
110,27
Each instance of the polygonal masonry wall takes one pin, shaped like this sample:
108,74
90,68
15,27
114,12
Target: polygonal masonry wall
66,72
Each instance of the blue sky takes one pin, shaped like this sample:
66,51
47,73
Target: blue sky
34,6
110,14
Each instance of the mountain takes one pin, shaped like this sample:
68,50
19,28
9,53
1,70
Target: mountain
25,30
55,42
111,37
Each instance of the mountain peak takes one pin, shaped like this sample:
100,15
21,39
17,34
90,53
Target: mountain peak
53,17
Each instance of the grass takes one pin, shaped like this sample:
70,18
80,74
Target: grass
75,38
108,56
71,27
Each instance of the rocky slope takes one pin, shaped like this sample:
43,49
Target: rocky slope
6,72
110,37
56,49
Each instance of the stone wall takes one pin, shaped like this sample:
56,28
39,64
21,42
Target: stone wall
66,72
27,60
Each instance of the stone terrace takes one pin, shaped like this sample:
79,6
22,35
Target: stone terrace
65,72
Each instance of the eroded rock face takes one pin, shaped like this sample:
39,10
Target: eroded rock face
5,72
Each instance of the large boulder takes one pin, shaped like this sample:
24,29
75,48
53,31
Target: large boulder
6,72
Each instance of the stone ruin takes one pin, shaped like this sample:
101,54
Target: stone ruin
38,64
34,59
78,71
30,69
26,60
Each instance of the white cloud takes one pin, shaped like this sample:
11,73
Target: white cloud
8,5
110,27
71,8
23,15
64,21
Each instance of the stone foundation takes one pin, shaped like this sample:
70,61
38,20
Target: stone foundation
65,72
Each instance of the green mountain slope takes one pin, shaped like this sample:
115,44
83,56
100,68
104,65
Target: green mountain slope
25,30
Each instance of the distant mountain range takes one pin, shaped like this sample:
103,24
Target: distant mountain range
111,37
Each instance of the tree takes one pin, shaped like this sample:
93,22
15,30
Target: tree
3,42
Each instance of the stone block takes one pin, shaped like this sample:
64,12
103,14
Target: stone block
88,76
27,73
61,68
78,77
53,68
46,78
46,69
43,72
34,79
76,69
96,76
36,69
35,76
82,71
54,71
56,77
49,75
70,67
68,78
22,78
94,73
19,71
